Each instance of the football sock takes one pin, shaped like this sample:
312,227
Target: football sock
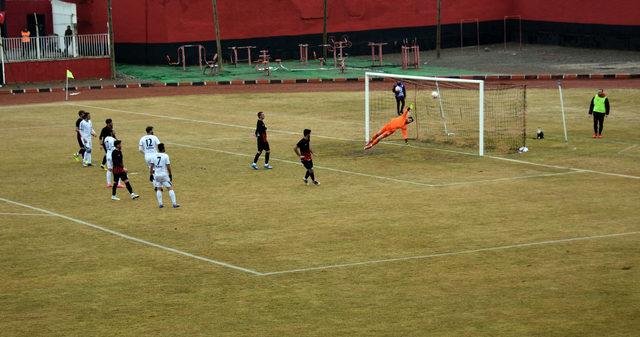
255,159
108,177
172,195
313,176
266,158
81,153
104,159
306,175
87,157
129,188
114,188
159,196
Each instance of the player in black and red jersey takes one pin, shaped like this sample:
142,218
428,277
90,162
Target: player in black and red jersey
120,172
263,143
303,150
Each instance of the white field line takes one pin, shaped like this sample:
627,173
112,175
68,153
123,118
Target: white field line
377,176
56,126
566,168
315,166
627,149
470,251
352,140
131,238
26,214
269,113
202,121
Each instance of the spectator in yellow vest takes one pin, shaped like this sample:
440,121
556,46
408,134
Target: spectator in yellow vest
599,108
26,41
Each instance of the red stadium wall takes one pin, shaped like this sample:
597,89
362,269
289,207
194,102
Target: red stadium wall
17,12
177,21
147,30
39,71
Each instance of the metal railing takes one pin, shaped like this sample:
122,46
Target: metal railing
55,47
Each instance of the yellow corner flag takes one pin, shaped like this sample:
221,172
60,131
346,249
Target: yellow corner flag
69,74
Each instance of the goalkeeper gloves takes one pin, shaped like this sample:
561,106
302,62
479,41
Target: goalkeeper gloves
411,106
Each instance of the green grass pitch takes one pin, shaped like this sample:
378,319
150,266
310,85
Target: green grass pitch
412,240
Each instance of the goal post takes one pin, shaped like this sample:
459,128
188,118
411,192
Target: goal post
450,111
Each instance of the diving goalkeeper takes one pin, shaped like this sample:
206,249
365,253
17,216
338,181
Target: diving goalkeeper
392,126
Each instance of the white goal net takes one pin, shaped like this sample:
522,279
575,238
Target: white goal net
451,112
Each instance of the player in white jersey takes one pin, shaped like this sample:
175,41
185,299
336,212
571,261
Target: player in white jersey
148,146
86,132
160,175
109,146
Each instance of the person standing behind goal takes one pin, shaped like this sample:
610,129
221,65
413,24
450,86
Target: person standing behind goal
160,176
303,150
599,108
263,143
148,146
400,92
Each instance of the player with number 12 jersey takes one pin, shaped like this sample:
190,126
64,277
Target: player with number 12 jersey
149,146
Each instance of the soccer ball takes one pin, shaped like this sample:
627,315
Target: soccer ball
434,94
397,88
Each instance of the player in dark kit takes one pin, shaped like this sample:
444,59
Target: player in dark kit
80,154
400,92
120,172
303,150
263,143
106,131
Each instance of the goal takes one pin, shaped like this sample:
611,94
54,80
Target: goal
451,112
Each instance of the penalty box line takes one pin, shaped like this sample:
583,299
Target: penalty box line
132,238
436,255
410,182
354,140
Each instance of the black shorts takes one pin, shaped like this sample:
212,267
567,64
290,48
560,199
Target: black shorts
80,141
262,145
308,164
120,177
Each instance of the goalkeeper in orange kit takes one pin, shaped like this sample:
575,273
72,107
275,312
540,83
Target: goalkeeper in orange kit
388,129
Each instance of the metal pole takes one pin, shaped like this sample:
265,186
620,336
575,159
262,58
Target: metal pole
564,121
324,31
112,52
217,28
481,120
2,59
366,108
438,31
37,36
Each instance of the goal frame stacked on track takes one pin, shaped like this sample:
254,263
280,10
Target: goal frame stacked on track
480,83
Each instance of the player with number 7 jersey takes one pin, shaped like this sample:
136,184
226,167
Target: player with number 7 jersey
148,146
160,176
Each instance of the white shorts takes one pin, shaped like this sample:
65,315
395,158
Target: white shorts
161,181
87,143
109,160
149,158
